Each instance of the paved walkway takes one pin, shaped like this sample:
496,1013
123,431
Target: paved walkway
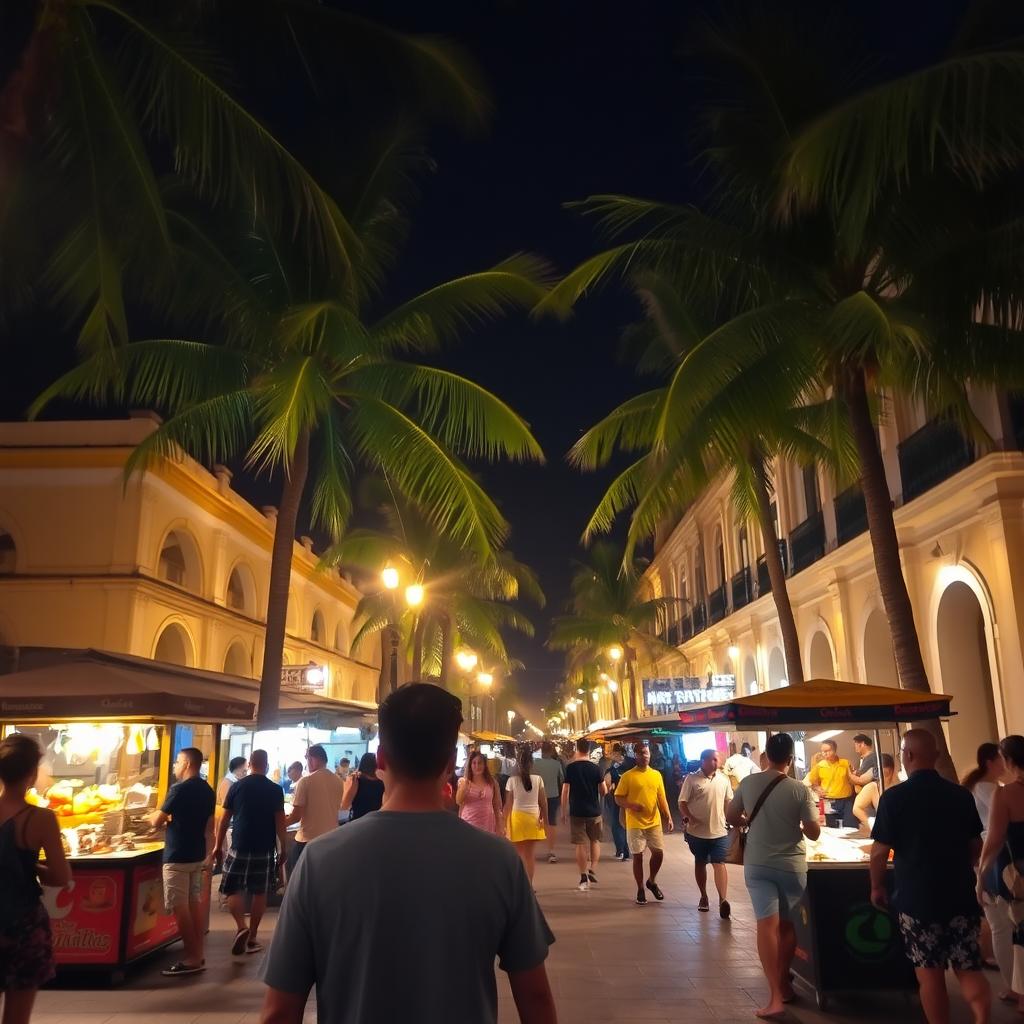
613,961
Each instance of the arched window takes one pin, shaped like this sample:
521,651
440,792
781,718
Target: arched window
236,661
236,592
174,647
719,556
341,638
240,595
317,631
179,561
743,547
8,554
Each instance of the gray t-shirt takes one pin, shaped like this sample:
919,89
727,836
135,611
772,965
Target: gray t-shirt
400,915
775,840
552,773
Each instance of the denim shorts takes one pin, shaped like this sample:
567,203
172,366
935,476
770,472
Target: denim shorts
773,891
705,850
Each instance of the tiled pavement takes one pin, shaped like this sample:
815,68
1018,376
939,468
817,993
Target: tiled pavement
613,961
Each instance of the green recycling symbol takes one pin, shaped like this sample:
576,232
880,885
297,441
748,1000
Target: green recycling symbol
868,932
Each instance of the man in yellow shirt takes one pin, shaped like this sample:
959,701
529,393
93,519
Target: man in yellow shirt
641,792
830,778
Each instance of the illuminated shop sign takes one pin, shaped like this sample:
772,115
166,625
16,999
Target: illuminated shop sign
665,695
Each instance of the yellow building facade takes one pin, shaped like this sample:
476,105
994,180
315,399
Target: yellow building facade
959,511
170,563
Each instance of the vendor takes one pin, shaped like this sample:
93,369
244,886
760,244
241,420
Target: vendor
866,804
292,776
830,778
867,769
236,771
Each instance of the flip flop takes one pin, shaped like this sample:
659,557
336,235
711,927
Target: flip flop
658,894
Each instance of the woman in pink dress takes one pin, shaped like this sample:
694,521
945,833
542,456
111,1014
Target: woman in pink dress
478,797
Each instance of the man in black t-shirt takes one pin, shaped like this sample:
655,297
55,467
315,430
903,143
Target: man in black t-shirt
252,864
933,828
187,812
581,797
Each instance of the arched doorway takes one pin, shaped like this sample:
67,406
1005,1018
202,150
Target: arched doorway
820,659
750,674
174,647
776,670
965,670
236,661
879,661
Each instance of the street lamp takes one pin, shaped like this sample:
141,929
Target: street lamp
389,577
511,718
466,659
615,652
414,595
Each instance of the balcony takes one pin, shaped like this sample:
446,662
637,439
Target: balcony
717,605
700,618
807,541
764,584
742,589
685,628
932,454
851,515
673,634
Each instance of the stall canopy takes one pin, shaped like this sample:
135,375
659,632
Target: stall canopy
59,683
819,702
491,737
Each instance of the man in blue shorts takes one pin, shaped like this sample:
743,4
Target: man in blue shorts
702,804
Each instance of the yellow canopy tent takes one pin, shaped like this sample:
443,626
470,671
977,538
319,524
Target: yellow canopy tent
491,737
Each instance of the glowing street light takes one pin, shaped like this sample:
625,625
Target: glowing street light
733,652
466,659
511,715
612,685
389,577
414,595
484,678
615,652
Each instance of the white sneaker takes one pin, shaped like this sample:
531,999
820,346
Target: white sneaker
552,859
584,887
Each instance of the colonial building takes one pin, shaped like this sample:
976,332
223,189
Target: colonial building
169,563
960,520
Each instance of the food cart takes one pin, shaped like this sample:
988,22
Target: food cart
110,727
841,937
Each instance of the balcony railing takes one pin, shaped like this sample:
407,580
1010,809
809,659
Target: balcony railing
807,541
686,628
700,618
673,634
851,515
932,454
742,590
764,583
717,604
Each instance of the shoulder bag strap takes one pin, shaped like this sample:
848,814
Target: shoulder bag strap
764,796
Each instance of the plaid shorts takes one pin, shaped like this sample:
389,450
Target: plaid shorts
254,873
955,943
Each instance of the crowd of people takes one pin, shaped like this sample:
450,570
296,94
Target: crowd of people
955,850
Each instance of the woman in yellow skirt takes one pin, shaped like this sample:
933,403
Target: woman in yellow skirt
526,809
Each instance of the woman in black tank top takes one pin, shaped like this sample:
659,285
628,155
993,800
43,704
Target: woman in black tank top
365,792
26,946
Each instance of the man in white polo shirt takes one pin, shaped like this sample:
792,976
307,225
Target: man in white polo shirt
703,803
315,804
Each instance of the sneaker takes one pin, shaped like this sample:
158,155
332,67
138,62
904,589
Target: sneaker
703,906
552,859
592,878
181,969
241,938
641,898
724,910
254,947
584,886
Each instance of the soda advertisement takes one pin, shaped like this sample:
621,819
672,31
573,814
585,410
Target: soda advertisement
85,918
149,925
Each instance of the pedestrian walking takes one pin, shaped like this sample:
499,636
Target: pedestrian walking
830,778
461,897
552,773
1004,844
933,828
778,812
252,865
641,792
316,802
509,766
26,945
703,802
365,791
581,804
478,797
615,815
187,811
526,809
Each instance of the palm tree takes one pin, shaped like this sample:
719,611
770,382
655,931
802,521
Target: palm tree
465,599
307,375
103,97
889,208
710,420
612,614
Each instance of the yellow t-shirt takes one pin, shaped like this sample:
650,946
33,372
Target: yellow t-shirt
833,777
644,788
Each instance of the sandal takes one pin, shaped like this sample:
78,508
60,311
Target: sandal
241,938
641,899
658,894
703,906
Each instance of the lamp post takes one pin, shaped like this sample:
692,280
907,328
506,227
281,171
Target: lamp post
465,661
511,714
484,680
414,593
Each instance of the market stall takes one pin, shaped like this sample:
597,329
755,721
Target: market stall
840,935
110,730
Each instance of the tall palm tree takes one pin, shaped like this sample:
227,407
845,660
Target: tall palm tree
889,206
101,98
611,611
308,374
710,420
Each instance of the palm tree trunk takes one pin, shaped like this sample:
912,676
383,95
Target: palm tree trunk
885,548
447,649
280,579
634,686
417,647
777,574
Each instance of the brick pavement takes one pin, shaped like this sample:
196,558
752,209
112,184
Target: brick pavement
613,961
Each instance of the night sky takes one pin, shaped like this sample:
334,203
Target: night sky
587,98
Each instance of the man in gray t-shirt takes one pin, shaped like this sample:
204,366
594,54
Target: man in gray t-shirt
377,913
552,773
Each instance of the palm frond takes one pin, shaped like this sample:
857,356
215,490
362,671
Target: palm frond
629,428
331,502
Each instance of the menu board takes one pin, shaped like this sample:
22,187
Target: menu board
85,918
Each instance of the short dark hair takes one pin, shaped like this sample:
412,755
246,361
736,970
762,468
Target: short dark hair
295,764
259,759
583,745
888,762
617,748
344,760
235,763
318,752
194,756
779,748
368,763
547,749
19,758
418,726
864,738
1013,750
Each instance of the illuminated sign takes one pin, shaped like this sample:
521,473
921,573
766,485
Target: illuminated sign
666,695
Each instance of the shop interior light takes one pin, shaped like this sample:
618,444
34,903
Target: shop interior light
734,651
152,739
594,694
822,736
389,577
612,685
414,595
314,675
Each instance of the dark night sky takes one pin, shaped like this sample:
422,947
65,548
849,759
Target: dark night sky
588,97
